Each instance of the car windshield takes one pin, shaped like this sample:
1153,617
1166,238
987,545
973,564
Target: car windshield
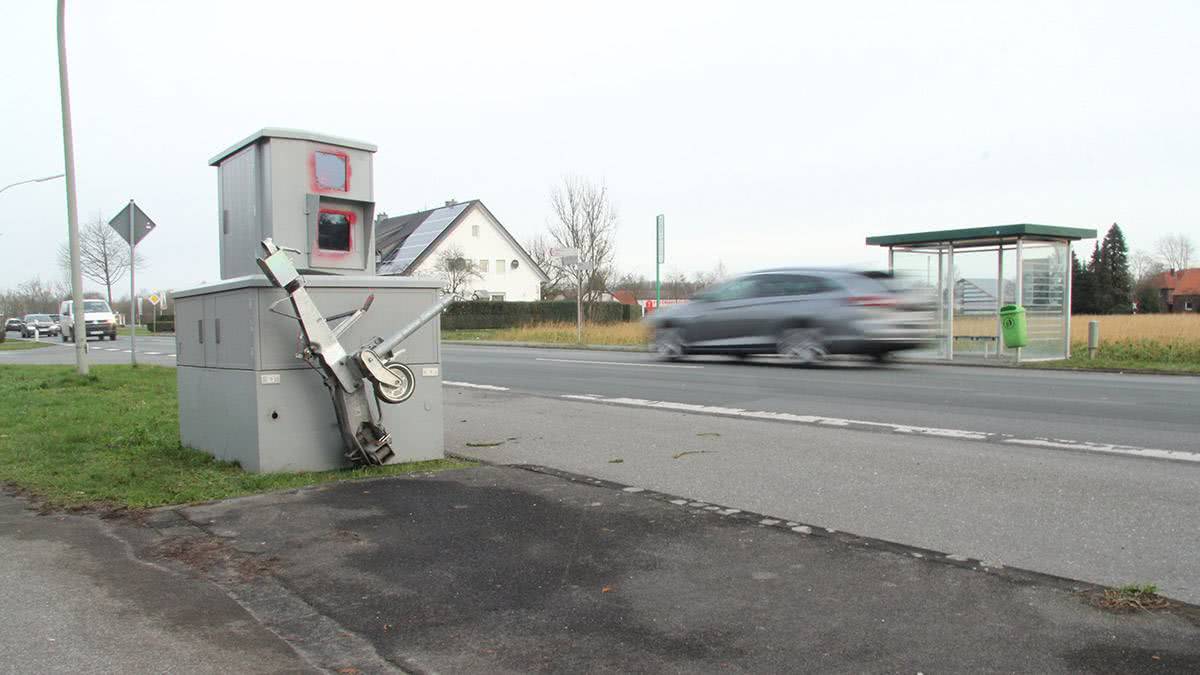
38,317
95,306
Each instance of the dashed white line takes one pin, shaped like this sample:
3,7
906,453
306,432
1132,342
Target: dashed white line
959,434
638,364
152,353
471,385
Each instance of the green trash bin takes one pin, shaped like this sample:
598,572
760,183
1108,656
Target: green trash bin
1012,323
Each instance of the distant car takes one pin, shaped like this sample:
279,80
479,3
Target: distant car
42,323
800,314
13,324
98,318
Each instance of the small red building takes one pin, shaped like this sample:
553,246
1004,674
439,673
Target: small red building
1179,290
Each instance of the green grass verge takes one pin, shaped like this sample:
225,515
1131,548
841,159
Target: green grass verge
1167,357
112,439
18,345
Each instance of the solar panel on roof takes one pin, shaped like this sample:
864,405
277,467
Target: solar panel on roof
419,240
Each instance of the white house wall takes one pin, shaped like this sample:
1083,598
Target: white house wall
521,284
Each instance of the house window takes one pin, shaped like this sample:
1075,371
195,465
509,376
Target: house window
333,230
483,266
474,230
1187,305
499,266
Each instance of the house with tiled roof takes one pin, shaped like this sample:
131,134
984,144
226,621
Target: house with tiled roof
1179,290
409,245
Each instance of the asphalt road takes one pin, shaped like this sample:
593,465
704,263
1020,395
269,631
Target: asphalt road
916,454
157,350
1145,411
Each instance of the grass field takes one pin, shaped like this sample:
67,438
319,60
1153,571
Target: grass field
113,439
625,333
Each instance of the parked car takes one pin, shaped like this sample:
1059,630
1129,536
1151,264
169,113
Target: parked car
12,324
801,314
42,323
98,317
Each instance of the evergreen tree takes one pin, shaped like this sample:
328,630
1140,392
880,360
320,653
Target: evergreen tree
1114,283
1083,286
1083,291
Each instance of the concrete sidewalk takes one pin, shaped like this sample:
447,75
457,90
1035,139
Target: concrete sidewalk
75,599
505,569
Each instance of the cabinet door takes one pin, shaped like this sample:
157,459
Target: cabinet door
208,332
234,328
189,350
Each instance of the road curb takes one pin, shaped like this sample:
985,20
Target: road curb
1014,574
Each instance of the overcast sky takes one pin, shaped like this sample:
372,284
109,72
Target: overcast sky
768,133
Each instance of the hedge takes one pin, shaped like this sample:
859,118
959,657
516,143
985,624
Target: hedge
489,314
164,324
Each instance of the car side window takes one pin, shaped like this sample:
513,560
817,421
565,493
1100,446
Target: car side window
780,285
738,289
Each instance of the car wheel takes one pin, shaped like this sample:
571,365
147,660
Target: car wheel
802,345
668,343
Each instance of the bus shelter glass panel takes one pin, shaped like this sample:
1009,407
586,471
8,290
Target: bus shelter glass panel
921,271
978,292
1045,266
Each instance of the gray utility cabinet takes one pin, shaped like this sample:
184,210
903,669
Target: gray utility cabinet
244,395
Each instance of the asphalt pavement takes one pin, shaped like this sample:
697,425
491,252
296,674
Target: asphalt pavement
506,570
158,350
1144,411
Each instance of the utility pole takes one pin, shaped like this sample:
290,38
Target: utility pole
78,315
660,230
132,291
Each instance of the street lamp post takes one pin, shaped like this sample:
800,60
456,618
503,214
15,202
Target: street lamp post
32,180
78,315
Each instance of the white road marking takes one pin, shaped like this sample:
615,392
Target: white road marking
618,363
489,387
171,355
960,434
152,353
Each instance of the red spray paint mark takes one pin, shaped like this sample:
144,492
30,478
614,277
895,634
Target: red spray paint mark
335,254
312,170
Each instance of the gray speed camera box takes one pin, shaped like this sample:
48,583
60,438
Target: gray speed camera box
245,393
307,191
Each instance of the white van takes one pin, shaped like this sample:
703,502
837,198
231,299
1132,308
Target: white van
98,318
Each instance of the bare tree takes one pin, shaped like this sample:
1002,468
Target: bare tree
1144,265
31,297
584,218
538,248
103,255
1176,250
455,270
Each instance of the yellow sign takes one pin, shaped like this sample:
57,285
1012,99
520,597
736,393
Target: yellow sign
154,298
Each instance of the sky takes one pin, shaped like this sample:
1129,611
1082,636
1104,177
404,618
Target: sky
767,133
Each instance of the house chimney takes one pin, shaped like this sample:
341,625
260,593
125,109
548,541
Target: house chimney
451,202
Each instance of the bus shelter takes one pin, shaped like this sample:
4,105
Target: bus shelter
973,272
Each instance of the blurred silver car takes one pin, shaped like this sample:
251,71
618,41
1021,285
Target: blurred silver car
43,324
801,314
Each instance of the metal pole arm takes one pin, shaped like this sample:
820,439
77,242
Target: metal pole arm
386,347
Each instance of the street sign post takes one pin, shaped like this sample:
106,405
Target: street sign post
570,258
133,225
660,227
